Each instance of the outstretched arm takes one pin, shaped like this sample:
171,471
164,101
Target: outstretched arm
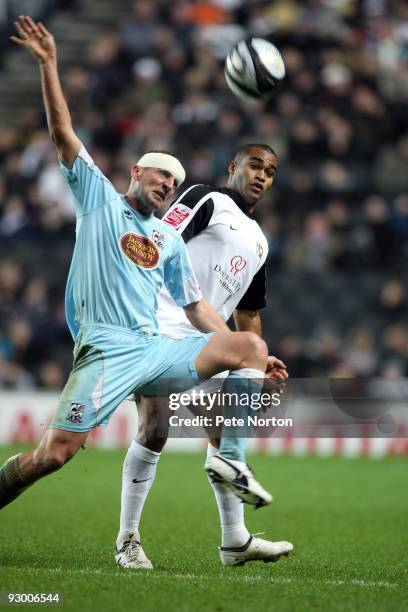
36,38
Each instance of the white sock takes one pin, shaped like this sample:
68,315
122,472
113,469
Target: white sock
231,509
140,464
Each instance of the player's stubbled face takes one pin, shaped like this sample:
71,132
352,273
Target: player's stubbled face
155,189
254,175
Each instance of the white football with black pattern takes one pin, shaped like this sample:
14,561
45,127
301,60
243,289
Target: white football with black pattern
254,69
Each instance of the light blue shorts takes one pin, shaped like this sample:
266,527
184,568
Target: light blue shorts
112,363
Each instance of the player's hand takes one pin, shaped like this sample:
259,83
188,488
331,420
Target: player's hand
275,375
35,37
276,368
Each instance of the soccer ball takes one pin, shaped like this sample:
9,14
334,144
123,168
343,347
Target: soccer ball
254,69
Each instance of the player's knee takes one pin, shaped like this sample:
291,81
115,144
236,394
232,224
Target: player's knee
150,440
151,434
257,347
252,352
148,436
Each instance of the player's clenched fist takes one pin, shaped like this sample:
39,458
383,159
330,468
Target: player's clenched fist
35,37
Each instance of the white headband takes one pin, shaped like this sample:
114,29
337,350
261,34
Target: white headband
163,161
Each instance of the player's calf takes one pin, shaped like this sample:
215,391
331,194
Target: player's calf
246,356
153,422
12,483
54,450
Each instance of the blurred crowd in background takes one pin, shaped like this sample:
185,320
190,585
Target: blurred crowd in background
336,218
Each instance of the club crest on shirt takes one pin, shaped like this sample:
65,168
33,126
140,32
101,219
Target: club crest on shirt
158,238
177,215
140,250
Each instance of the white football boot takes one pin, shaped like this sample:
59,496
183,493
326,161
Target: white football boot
238,477
256,549
131,555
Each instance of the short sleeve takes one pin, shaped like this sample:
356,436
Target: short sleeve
88,185
255,296
191,212
179,277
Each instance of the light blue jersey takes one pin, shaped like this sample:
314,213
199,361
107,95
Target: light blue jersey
121,258
120,261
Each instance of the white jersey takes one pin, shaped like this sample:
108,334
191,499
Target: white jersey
227,249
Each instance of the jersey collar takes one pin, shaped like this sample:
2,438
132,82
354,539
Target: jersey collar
239,201
135,212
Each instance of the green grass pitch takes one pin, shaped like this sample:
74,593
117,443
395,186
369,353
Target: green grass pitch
348,520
